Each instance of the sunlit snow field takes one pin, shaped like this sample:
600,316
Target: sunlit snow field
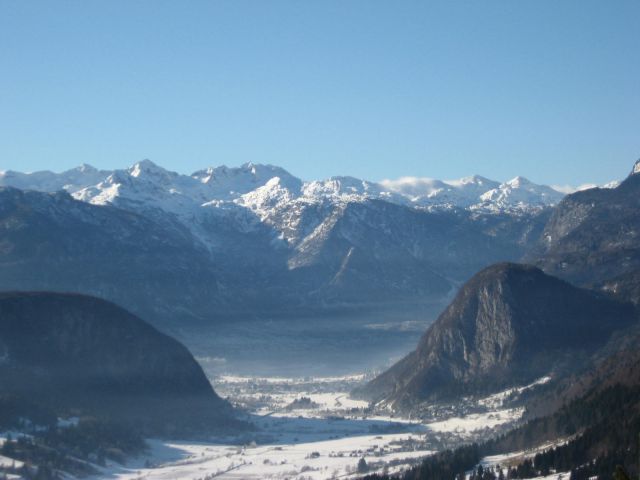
309,428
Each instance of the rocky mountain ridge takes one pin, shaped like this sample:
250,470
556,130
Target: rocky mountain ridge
593,236
508,325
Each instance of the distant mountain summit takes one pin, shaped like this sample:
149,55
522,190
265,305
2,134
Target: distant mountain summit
508,325
519,193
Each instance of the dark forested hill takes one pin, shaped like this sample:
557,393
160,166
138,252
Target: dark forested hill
80,355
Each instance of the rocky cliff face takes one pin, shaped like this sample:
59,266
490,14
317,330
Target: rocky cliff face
593,235
81,355
510,324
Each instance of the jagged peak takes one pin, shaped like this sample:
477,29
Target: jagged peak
146,166
249,166
254,169
518,182
338,186
636,168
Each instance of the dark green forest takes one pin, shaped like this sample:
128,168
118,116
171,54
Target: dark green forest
603,427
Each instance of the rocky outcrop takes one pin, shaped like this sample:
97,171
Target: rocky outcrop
510,324
593,235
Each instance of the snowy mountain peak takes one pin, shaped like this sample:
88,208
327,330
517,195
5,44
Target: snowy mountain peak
232,182
636,168
519,182
70,180
341,186
148,168
272,195
519,193
249,166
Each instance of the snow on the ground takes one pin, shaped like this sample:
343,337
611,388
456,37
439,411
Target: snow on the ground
321,442
477,421
6,462
506,460
518,456
554,476
270,395
498,399
314,460
287,380
324,439
309,428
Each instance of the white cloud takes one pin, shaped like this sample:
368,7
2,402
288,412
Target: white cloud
567,189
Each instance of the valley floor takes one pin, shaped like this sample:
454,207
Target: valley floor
309,428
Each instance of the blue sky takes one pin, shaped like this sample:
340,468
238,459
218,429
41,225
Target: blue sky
545,89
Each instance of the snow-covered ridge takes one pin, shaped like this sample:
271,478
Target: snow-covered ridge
268,200
463,192
264,187
70,180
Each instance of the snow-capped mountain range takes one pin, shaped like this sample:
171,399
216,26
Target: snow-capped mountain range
253,195
256,238
258,186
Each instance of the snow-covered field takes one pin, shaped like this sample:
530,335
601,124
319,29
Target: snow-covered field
504,461
308,428
317,460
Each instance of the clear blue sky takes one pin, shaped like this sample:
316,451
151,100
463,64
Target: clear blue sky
376,89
